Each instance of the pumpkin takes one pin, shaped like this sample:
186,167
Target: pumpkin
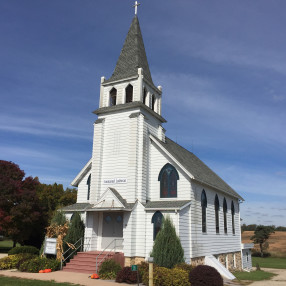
94,276
41,271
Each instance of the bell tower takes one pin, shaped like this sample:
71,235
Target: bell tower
129,111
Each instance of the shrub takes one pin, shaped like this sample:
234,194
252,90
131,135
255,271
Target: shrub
204,275
258,254
14,261
24,249
167,250
184,266
75,232
39,263
109,269
179,277
126,275
143,269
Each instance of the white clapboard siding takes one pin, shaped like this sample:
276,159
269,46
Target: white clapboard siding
210,242
91,231
127,233
83,189
157,161
185,232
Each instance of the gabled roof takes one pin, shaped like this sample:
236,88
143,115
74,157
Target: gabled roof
76,207
167,205
82,173
199,171
132,56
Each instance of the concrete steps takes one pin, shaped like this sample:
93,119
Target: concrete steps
85,262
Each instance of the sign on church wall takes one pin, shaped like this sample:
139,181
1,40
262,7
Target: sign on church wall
115,181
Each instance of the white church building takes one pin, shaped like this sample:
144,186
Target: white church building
137,176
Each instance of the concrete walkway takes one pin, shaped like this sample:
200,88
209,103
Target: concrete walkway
61,276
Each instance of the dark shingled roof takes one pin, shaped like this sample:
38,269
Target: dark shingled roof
165,204
197,168
77,207
132,56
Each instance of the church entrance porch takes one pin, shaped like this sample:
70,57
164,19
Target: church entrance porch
112,231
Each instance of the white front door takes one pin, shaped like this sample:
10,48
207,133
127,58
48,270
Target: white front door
112,228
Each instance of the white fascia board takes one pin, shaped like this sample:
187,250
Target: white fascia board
155,140
82,173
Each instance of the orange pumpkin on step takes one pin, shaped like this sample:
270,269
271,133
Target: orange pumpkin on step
41,271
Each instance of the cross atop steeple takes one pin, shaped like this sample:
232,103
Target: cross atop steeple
136,5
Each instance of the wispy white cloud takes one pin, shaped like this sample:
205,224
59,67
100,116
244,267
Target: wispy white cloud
203,102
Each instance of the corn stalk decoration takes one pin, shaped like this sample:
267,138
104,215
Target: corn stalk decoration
59,231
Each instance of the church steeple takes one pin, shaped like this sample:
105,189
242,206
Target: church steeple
132,56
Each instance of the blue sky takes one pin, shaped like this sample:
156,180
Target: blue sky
221,65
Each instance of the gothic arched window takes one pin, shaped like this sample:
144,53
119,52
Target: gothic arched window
157,220
153,102
216,214
88,186
224,215
168,181
232,217
113,94
129,93
144,95
204,204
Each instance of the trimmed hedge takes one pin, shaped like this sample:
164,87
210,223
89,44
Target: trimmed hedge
24,249
204,275
109,269
14,261
167,277
40,263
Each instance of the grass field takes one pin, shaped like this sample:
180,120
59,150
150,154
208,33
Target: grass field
277,242
254,275
9,281
270,262
6,245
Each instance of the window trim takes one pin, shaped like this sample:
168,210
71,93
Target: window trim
155,215
204,204
170,188
217,207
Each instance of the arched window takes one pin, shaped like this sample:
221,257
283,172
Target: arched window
113,94
129,93
153,102
168,177
232,217
204,204
157,220
224,215
144,95
88,186
216,214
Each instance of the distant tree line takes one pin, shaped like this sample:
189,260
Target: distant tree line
27,206
252,227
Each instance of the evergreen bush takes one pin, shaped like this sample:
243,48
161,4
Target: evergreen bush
167,250
109,269
75,231
24,249
185,266
204,275
40,263
59,218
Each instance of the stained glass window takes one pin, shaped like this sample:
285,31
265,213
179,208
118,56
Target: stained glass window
168,181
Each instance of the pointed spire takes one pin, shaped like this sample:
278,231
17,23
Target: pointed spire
132,56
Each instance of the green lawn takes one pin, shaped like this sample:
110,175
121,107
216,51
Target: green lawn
6,245
9,281
270,262
253,275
